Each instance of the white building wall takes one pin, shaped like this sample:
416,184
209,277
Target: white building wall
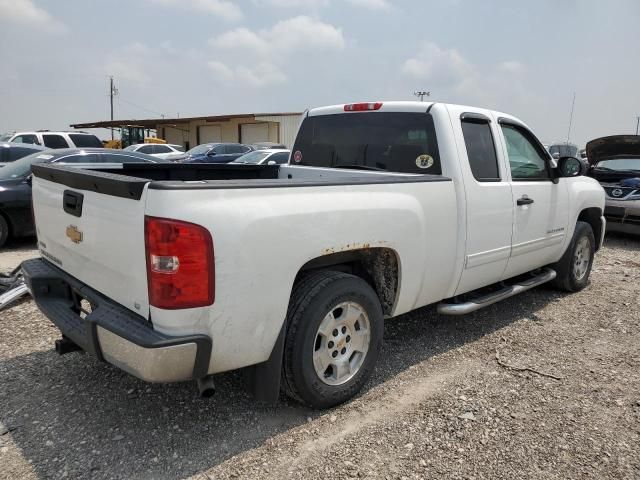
288,126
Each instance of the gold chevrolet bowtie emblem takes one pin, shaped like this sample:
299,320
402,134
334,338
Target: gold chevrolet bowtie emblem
74,234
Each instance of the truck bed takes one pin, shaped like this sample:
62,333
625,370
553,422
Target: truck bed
130,180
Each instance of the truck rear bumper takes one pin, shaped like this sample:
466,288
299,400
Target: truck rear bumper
111,332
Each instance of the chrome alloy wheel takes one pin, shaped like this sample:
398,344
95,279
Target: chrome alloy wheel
341,344
581,258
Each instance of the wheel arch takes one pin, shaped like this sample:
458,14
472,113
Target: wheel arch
592,216
378,266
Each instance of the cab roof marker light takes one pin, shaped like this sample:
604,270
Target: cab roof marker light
362,107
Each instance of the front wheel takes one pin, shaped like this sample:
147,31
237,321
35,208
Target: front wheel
334,334
574,267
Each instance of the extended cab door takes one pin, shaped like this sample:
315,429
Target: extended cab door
541,204
489,206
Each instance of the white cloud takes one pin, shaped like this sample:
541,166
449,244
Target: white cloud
292,3
294,34
438,65
372,4
27,13
270,49
261,75
511,66
221,8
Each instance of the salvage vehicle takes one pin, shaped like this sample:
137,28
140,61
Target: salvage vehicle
16,219
615,163
178,272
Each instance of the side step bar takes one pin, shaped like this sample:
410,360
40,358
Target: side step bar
481,301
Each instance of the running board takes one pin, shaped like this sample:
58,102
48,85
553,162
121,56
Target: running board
482,301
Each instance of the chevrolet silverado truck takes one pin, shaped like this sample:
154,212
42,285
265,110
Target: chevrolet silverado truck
178,272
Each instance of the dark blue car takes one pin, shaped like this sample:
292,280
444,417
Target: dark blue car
217,152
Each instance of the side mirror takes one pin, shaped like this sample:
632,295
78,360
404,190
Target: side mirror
556,156
570,167
29,179
271,162
211,153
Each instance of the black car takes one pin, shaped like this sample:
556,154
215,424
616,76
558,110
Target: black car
217,152
16,219
10,152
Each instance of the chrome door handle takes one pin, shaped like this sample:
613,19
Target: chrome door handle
524,200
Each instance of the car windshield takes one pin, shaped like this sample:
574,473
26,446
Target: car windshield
620,164
253,157
130,148
565,150
199,150
5,137
22,168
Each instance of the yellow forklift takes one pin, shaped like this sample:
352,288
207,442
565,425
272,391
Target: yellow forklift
131,135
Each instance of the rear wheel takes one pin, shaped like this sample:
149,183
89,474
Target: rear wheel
574,267
4,231
334,334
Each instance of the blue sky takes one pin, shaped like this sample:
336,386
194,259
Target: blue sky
196,57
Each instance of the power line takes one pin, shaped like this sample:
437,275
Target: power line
139,106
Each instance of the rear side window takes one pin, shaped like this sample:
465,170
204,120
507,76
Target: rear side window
85,158
148,149
161,149
27,138
236,149
54,141
279,158
85,141
481,150
396,142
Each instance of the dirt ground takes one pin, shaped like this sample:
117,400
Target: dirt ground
440,405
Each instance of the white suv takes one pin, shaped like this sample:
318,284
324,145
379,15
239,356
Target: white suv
56,139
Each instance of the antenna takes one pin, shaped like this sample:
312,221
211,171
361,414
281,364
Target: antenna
422,94
573,104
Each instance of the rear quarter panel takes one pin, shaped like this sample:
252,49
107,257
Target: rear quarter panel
263,236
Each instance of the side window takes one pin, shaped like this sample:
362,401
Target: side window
526,159
220,149
17,153
481,150
32,139
54,141
88,158
148,149
279,158
162,149
235,149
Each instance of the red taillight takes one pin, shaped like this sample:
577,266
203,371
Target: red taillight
180,264
362,107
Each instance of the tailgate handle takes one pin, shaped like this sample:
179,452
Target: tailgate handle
72,203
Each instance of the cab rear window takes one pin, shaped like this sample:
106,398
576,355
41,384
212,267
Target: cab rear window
392,141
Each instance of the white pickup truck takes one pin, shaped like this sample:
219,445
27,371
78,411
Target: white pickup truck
177,272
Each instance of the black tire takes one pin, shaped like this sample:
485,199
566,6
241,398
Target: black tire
4,231
567,278
312,299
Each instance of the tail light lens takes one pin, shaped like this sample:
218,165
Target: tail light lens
362,107
180,264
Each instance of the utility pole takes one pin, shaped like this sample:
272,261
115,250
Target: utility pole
637,124
422,94
112,91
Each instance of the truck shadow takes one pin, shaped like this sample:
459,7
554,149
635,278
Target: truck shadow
73,414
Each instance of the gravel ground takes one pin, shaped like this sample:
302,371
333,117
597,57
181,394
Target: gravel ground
438,406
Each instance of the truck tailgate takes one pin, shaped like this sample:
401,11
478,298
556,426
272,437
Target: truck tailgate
100,243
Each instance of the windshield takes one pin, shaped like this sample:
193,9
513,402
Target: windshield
252,157
6,137
397,142
620,164
22,168
564,150
200,149
130,148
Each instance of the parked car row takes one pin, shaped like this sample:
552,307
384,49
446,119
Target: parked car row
16,219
